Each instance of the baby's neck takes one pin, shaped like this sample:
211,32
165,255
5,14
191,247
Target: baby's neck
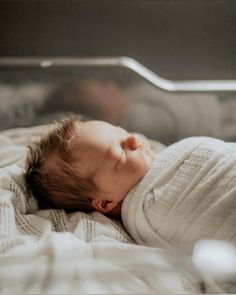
116,212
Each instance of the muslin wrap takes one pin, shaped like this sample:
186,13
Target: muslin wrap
188,194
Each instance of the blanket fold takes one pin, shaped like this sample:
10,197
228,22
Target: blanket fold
188,194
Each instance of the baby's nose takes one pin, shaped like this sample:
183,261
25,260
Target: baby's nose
131,142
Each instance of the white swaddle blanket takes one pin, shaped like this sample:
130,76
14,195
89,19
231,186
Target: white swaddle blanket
188,194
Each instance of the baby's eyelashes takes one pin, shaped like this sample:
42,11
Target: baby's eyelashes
119,159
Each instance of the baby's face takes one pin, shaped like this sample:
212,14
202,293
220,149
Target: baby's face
116,159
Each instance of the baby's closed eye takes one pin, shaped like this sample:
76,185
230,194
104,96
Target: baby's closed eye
119,159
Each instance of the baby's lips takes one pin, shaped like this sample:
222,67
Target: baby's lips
139,141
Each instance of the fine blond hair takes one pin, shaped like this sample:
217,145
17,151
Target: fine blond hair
50,174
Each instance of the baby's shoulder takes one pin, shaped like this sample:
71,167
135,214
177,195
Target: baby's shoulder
202,141
194,143
204,144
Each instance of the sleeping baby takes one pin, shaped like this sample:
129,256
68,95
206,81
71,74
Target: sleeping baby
185,193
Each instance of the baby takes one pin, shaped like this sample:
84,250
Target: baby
183,194
86,166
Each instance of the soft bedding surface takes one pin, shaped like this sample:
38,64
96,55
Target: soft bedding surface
188,194
51,252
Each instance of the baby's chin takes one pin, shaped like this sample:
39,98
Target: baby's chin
145,162
148,154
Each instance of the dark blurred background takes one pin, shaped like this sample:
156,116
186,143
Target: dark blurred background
177,39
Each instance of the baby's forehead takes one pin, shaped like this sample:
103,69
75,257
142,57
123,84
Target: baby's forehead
88,133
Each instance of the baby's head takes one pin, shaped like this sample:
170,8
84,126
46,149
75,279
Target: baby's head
86,166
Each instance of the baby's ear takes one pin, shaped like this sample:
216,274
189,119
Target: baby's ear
103,205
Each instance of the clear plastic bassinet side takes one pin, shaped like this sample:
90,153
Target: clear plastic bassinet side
36,90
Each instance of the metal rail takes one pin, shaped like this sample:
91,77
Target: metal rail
125,62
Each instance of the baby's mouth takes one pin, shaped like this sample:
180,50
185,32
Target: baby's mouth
142,144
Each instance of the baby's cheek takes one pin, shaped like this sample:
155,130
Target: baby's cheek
138,167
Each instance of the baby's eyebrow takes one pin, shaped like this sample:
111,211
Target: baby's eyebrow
121,130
